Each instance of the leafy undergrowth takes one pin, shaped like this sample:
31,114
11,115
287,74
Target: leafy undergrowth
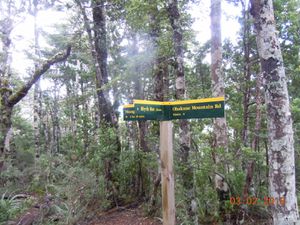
59,191
62,192
11,206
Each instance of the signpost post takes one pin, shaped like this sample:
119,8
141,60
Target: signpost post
165,112
167,174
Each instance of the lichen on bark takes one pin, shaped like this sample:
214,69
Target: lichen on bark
280,130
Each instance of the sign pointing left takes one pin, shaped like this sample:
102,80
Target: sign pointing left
129,113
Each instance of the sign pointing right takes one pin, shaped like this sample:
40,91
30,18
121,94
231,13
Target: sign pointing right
186,109
198,108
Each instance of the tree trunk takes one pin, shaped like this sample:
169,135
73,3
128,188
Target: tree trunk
84,110
46,130
5,125
246,98
258,101
255,141
280,131
55,121
105,107
180,94
219,124
5,74
98,48
155,32
36,91
247,73
142,125
220,127
107,115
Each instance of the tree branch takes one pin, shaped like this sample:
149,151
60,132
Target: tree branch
22,92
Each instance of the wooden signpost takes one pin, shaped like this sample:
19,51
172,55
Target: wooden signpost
165,112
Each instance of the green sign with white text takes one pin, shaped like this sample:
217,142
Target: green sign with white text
186,109
189,109
129,113
152,110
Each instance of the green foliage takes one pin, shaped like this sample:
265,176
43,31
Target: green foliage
198,77
102,150
71,188
133,174
206,195
23,132
138,13
11,207
9,177
5,208
295,108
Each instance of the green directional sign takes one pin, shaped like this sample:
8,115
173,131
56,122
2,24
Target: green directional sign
129,113
144,112
186,109
198,108
152,110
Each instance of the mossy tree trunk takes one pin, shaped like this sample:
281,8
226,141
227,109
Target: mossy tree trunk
159,72
5,124
99,20
9,98
181,94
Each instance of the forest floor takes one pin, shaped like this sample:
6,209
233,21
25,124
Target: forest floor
124,216
131,214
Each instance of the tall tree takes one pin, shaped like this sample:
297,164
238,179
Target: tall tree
107,116
180,94
5,73
247,72
218,89
280,129
98,46
97,38
100,40
158,73
36,91
250,59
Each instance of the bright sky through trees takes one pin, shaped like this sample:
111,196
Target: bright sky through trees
23,33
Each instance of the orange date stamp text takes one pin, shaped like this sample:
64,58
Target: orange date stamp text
253,200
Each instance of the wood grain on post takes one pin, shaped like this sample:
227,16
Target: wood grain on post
167,175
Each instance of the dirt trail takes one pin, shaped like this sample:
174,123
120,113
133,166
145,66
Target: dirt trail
125,216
